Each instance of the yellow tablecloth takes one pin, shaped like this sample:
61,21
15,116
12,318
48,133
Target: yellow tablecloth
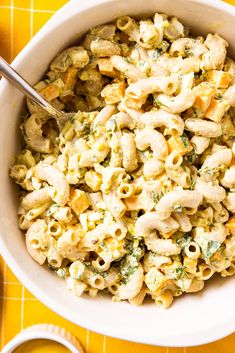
19,21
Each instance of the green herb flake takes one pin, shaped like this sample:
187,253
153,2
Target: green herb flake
193,182
104,246
187,51
155,196
181,272
184,240
155,54
204,75
178,208
111,125
157,103
163,47
142,63
94,270
191,157
185,140
218,96
212,247
126,272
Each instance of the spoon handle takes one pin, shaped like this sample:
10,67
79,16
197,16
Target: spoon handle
9,73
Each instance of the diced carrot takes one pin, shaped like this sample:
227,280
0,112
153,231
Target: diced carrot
78,201
180,144
218,78
114,92
231,225
70,77
106,68
232,161
203,98
134,203
50,92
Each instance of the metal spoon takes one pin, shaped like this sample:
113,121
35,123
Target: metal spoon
9,73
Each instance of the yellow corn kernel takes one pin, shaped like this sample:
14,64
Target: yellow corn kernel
78,201
91,225
114,92
218,78
217,109
93,180
179,144
231,225
106,67
50,92
102,146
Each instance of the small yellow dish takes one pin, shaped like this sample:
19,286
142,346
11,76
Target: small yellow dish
44,338
41,346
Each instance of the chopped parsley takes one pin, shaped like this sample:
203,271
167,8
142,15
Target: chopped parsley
181,271
88,265
134,249
111,125
157,103
126,272
184,240
163,47
130,263
218,96
155,54
202,75
185,140
142,63
188,52
193,182
178,208
177,272
191,157
155,197
210,249
86,129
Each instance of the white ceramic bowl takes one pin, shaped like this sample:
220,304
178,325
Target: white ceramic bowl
193,319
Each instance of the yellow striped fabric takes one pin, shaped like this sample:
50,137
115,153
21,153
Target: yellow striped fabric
19,21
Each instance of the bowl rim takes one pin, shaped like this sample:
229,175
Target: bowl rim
216,330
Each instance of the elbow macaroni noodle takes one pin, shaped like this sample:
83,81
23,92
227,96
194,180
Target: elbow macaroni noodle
135,194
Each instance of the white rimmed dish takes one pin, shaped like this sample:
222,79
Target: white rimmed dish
193,319
45,332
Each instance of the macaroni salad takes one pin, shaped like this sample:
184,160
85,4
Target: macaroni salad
135,194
